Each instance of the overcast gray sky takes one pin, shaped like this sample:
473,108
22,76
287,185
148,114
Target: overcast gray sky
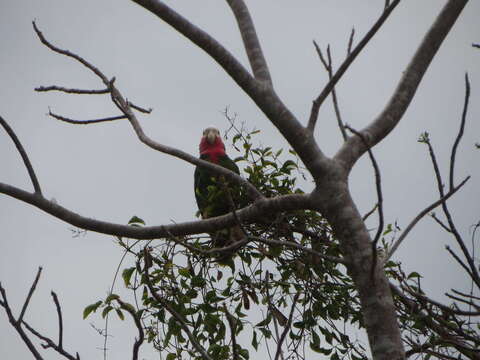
102,171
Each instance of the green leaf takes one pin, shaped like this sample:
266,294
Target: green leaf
414,274
127,275
111,297
129,307
255,341
136,221
106,310
91,308
171,356
184,272
120,314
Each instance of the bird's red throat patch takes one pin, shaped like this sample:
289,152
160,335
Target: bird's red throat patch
214,151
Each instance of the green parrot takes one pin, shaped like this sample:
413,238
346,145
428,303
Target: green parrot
212,191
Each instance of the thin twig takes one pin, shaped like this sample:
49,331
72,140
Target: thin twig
329,68
460,131
139,108
350,42
69,54
287,327
473,270
85,122
29,296
71,90
420,216
440,222
17,325
23,154
231,323
141,336
367,215
60,320
346,64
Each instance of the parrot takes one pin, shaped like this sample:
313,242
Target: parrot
212,191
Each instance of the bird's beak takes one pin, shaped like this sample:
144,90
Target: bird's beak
211,137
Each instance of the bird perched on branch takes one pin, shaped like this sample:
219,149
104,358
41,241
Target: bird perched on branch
216,195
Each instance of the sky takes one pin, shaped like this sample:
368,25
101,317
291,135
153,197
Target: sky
102,171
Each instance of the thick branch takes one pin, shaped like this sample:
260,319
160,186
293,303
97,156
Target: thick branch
300,139
250,40
248,214
351,151
23,154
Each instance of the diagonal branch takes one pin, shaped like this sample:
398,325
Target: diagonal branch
250,41
317,103
421,215
69,54
29,296
248,214
23,154
391,115
203,40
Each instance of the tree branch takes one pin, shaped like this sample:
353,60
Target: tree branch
287,327
250,41
352,149
248,214
460,131
85,122
71,90
23,154
317,103
420,216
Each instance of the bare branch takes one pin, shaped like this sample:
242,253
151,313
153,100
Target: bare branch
203,40
139,108
23,154
17,325
460,131
346,64
60,320
367,215
29,296
248,214
420,216
350,42
473,270
69,54
250,41
329,68
71,90
287,327
476,46
440,222
351,150
85,122
141,336
231,323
